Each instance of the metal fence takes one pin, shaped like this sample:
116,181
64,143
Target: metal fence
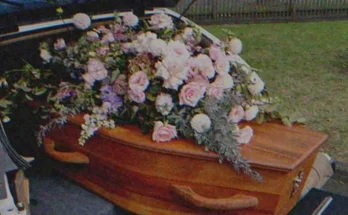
244,11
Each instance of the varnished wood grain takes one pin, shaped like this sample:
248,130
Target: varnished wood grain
130,170
273,146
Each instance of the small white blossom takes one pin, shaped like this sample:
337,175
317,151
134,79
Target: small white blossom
164,103
200,123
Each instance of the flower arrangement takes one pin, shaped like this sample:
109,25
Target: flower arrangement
153,72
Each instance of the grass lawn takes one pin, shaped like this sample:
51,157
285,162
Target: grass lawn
299,64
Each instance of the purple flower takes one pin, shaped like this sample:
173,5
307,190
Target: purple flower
107,95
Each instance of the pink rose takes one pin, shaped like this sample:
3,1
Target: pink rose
236,114
138,80
137,95
163,133
191,94
215,91
215,53
244,135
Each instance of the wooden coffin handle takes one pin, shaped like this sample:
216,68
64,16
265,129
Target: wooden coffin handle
67,157
231,203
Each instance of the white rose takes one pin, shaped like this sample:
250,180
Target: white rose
244,135
157,47
225,81
176,49
96,69
81,21
235,46
200,123
205,65
251,113
222,66
256,84
161,21
164,103
161,71
131,20
45,55
236,114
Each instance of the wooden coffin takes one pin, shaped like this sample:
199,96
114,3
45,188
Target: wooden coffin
179,177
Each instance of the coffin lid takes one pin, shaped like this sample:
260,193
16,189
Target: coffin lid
14,12
273,146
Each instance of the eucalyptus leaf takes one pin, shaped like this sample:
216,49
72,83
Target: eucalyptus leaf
40,92
114,75
28,97
4,103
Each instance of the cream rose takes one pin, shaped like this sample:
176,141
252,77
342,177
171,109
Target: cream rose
138,80
158,47
256,84
191,94
251,113
205,65
225,81
236,114
200,123
222,66
164,103
235,46
244,135
81,21
163,133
